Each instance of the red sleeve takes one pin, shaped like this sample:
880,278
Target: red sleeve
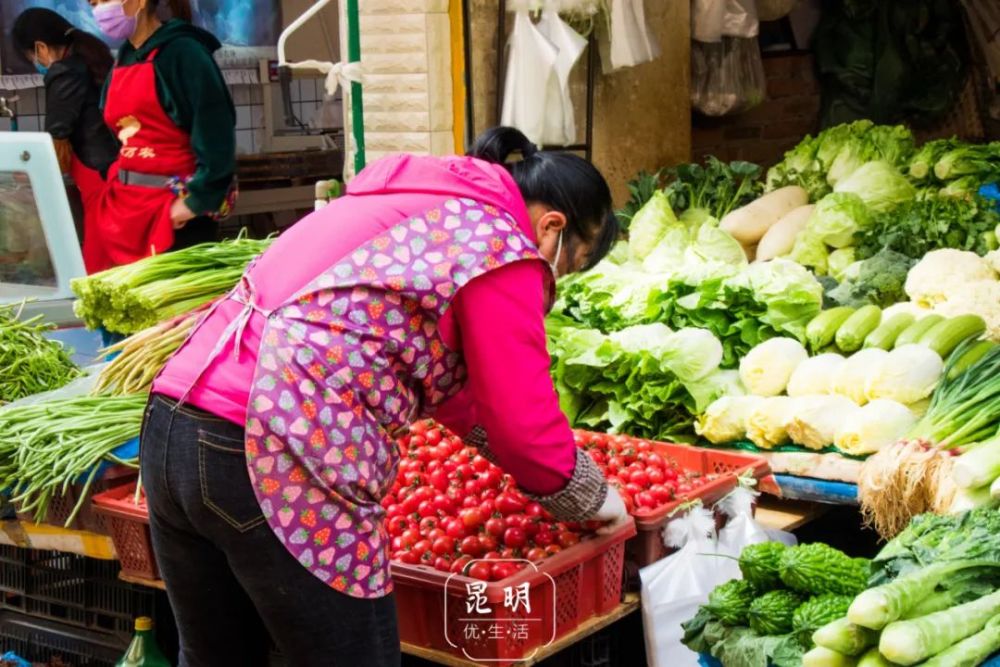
500,319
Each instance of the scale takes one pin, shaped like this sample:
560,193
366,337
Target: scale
39,248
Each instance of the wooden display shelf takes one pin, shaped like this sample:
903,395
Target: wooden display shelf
587,628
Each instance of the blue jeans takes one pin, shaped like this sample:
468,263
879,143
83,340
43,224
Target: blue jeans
229,580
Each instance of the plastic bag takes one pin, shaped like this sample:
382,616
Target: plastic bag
711,20
742,529
727,77
632,41
530,69
559,119
740,19
674,588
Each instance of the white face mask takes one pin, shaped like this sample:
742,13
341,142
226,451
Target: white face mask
554,265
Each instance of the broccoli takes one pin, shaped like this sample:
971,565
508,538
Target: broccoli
879,280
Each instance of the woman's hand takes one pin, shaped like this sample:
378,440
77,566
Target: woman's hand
180,214
612,512
64,153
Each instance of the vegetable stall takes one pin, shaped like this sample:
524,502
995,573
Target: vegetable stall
832,320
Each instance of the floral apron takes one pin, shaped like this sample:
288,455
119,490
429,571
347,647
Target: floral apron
348,363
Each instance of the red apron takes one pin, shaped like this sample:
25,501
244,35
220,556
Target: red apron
133,221
91,187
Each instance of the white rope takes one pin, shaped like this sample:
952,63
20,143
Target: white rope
337,74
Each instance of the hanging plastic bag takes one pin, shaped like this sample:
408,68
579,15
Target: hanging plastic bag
707,17
740,19
632,41
530,69
742,529
560,120
727,77
673,588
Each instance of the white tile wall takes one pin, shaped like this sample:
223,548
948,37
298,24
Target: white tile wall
307,97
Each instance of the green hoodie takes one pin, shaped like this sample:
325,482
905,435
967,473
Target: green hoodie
194,95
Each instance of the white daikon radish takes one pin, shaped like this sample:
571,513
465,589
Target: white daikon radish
749,223
780,238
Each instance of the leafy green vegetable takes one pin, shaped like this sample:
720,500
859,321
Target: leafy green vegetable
838,216
650,225
981,160
923,161
641,189
879,184
918,226
878,281
716,188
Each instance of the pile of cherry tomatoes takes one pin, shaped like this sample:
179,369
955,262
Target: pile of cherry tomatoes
450,506
453,510
645,479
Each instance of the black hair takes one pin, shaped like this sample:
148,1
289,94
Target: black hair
179,9
50,28
562,181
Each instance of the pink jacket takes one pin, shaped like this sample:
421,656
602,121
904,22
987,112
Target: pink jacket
496,321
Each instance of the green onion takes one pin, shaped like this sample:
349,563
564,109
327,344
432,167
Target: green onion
128,299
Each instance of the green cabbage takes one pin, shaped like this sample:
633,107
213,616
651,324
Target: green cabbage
650,225
837,217
879,184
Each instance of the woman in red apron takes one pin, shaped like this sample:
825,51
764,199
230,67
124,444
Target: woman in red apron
169,106
75,65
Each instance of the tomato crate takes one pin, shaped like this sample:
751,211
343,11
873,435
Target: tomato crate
725,467
648,546
569,587
128,524
61,507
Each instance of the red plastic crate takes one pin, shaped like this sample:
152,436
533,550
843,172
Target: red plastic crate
61,507
129,528
648,547
587,582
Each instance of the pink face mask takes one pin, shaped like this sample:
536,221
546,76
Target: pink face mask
113,21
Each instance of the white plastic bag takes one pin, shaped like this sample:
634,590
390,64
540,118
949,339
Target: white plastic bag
707,17
742,529
530,69
560,121
740,19
673,588
727,76
632,41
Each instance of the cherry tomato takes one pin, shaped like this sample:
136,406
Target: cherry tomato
427,524
480,463
495,526
501,571
443,546
480,570
514,537
492,555
396,525
567,539
488,542
553,549
646,500
406,556
639,478
409,538
544,538
460,563
507,503
471,546
472,517
536,554
455,529
655,475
